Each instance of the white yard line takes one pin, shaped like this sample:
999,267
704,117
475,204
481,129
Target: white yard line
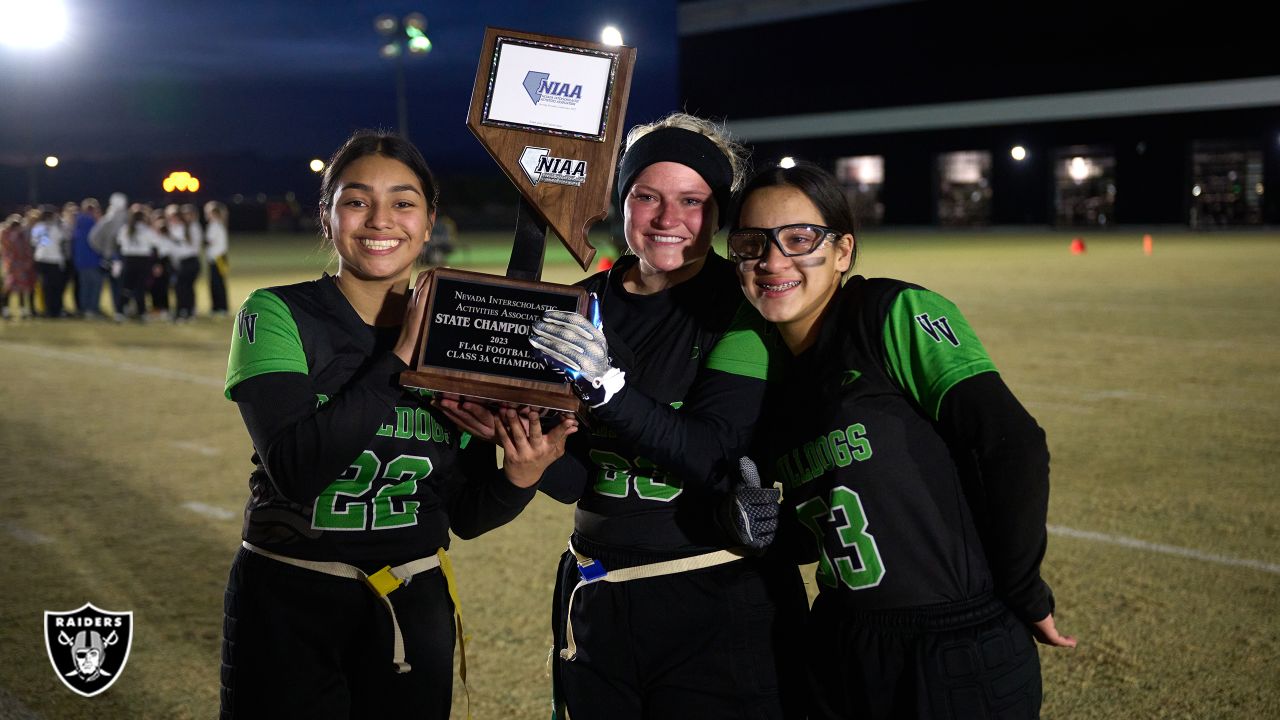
86,359
210,511
1098,397
1058,406
196,447
25,536
1137,544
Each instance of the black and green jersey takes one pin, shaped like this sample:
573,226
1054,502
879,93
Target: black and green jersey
882,467
645,472
349,466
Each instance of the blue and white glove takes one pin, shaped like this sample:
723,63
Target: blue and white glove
575,347
750,513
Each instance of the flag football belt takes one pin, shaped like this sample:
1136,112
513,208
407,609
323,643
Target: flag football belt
592,571
383,583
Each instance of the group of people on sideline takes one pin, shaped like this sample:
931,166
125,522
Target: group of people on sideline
148,258
741,415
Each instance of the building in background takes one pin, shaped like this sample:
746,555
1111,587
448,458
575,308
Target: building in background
979,113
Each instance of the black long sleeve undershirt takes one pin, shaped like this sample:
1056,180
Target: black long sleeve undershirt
304,447
701,441
565,479
1010,495
481,497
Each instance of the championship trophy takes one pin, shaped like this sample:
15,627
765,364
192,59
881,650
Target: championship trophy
550,112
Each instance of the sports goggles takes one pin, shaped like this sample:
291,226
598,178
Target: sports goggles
792,240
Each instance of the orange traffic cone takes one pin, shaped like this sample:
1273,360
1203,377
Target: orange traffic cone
1146,244
1077,246
605,263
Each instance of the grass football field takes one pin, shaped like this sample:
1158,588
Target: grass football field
1156,377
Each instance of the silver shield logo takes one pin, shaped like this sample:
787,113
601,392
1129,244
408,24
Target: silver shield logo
88,647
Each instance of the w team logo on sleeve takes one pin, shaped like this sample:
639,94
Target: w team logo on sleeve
938,329
88,647
246,325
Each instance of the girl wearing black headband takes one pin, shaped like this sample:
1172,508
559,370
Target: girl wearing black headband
661,610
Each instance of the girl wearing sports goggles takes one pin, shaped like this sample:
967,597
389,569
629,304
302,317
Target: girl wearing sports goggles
889,421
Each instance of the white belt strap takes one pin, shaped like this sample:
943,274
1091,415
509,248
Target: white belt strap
382,583
639,572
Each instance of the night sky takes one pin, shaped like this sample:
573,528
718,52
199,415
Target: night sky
139,79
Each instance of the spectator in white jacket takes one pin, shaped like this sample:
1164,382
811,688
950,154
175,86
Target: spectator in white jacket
215,252
137,243
186,235
48,245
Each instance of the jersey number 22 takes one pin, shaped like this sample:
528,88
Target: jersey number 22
345,504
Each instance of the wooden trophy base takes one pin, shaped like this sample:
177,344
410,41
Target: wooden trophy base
492,393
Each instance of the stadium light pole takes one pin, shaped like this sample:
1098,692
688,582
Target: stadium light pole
404,36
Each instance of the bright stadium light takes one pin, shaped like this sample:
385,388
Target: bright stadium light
181,181
1018,153
51,161
419,44
32,25
787,162
415,29
611,35
1078,169
385,25
317,165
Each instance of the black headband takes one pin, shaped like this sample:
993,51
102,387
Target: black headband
689,148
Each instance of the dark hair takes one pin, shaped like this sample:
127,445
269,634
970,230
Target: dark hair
820,186
363,143
137,216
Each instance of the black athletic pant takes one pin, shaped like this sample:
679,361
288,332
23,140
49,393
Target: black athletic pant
134,278
53,283
72,278
963,661
218,284
160,286
702,644
185,289
301,644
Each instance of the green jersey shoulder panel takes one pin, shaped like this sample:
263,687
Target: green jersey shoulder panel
264,339
929,347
